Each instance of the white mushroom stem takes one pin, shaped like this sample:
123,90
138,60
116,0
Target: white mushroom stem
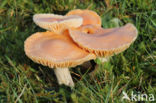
64,77
102,59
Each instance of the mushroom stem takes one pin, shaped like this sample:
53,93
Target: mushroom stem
64,77
102,59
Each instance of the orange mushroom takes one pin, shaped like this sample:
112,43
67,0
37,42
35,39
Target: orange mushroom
56,51
90,29
104,42
61,51
89,16
57,23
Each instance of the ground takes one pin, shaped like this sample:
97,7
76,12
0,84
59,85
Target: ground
24,81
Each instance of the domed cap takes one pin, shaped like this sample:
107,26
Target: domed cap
105,42
59,51
57,23
89,16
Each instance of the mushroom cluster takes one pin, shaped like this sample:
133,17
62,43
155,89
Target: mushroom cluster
73,39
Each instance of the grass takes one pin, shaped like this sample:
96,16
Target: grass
23,81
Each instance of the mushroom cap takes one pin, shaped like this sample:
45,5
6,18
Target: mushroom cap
89,16
58,51
105,42
57,23
90,29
